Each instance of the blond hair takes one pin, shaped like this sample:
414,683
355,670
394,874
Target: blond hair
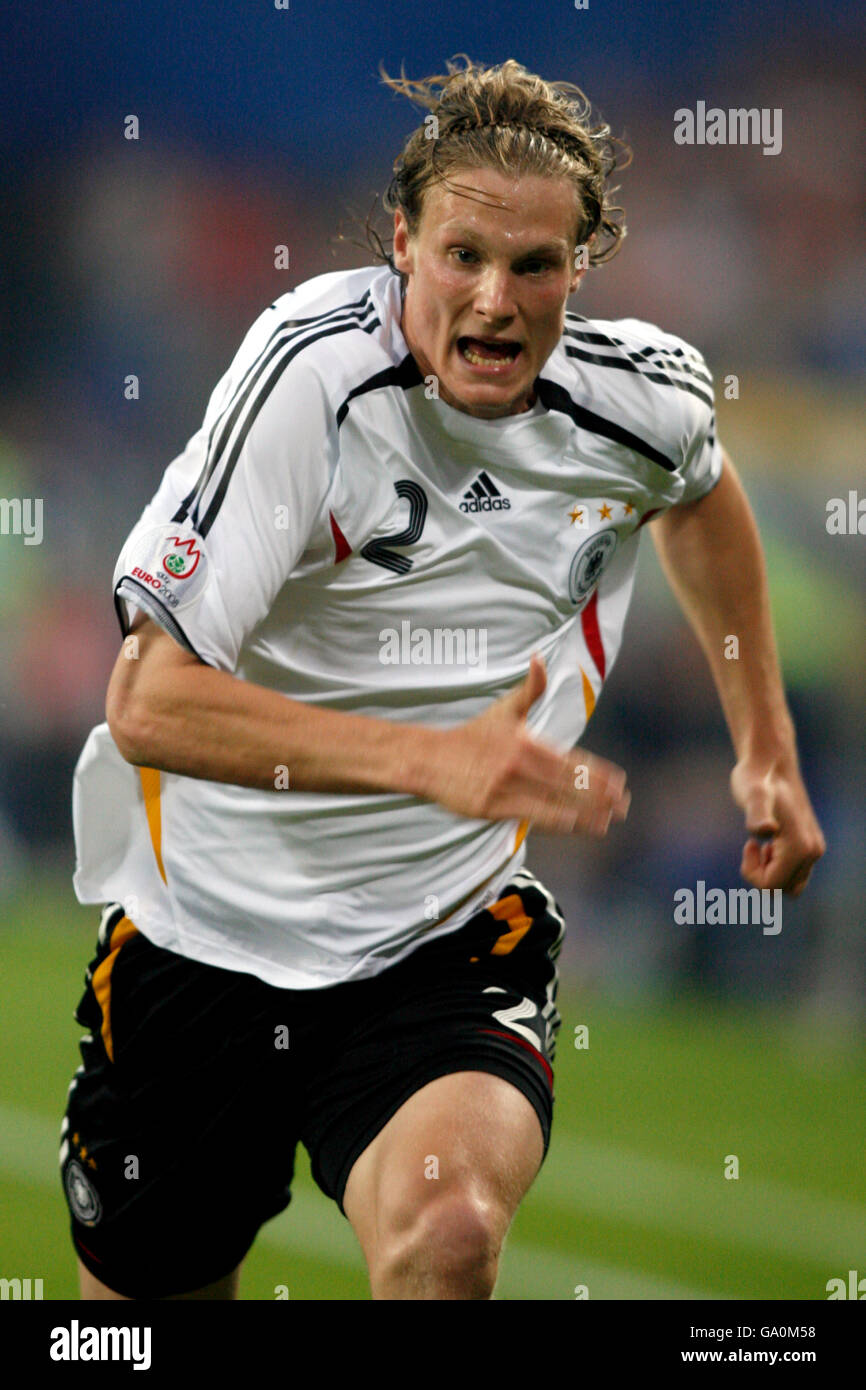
506,118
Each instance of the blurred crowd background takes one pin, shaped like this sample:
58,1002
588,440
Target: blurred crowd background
261,127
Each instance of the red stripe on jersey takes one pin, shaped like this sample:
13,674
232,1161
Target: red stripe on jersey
592,633
648,517
343,547
521,1042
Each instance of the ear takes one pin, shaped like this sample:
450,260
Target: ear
400,250
580,258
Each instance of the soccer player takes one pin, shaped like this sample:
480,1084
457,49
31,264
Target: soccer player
366,618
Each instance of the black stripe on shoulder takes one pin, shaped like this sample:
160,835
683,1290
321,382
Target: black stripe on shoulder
267,387
358,305
672,357
360,308
675,360
210,459
405,375
624,365
555,397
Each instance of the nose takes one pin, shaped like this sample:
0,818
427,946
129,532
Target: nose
494,295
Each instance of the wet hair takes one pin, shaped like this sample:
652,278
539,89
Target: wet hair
509,119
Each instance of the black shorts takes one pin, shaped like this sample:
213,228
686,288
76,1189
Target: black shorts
197,1083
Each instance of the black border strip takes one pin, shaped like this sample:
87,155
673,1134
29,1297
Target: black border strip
406,375
555,397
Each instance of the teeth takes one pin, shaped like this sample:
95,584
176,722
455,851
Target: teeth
483,361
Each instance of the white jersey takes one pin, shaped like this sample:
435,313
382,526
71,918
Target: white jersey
338,533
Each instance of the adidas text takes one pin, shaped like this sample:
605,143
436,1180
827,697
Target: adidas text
486,504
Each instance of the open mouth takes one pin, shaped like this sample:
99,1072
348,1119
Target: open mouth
488,352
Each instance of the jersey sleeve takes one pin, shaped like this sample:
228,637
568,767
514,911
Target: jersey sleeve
699,454
702,453
674,406
236,509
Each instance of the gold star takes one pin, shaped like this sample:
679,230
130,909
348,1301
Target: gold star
83,1151
628,508
576,513
75,1139
605,512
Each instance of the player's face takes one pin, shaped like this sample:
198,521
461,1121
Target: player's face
478,271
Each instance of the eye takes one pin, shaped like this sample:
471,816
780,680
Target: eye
535,267
460,251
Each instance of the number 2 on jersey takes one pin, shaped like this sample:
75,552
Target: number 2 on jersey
379,552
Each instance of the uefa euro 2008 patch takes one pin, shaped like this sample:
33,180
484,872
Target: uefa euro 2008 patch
171,562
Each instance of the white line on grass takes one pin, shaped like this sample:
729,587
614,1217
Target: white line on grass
577,1176
659,1194
313,1226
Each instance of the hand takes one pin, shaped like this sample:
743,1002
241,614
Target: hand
492,768
777,804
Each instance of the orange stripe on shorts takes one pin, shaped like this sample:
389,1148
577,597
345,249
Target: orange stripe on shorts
509,910
122,932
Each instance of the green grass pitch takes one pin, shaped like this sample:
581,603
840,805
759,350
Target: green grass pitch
632,1202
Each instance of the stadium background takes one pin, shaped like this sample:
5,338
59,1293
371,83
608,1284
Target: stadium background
260,127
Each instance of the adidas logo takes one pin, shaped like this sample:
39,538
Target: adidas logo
484,496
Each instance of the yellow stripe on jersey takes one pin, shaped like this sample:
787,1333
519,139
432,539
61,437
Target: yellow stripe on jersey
150,785
588,694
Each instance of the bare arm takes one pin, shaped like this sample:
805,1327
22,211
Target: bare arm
711,553
168,710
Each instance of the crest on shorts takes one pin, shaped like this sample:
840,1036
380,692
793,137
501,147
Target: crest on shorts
588,564
83,1197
